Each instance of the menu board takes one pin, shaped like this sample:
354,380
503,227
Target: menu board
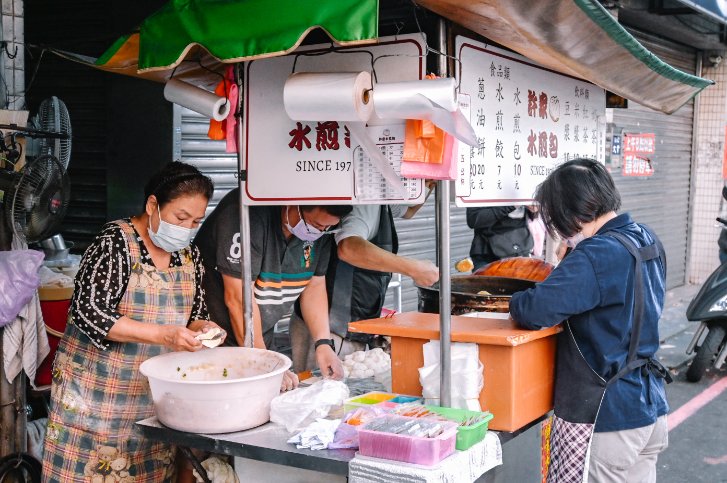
310,162
528,120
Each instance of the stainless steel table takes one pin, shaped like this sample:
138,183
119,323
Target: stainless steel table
266,443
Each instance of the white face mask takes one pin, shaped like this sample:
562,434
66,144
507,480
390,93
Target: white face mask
171,238
575,240
302,230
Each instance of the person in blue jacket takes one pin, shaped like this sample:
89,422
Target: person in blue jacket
610,403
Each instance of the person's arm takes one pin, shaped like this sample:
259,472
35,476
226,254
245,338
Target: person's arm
412,210
234,303
364,254
175,337
572,288
483,218
314,308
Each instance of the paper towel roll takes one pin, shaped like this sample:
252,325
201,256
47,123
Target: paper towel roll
397,100
328,96
197,99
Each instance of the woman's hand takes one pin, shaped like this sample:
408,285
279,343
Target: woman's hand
205,326
178,338
290,381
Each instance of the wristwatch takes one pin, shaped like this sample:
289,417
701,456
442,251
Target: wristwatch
328,342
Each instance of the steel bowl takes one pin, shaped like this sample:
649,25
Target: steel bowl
55,254
56,242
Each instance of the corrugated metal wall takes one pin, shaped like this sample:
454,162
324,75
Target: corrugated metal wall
416,236
662,200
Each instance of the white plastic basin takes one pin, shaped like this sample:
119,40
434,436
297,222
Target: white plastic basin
215,390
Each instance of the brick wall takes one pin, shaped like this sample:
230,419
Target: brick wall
707,174
12,90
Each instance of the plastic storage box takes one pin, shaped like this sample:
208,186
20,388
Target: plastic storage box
467,436
381,399
409,449
368,399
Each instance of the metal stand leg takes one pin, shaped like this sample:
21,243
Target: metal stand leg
195,463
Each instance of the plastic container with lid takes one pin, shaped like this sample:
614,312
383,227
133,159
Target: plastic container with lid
410,449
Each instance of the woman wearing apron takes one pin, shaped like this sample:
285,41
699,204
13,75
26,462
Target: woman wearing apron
137,295
609,420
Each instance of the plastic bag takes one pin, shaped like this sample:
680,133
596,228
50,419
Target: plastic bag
298,408
467,379
18,281
218,471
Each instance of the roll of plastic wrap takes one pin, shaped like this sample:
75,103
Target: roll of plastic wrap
393,100
197,99
431,99
328,96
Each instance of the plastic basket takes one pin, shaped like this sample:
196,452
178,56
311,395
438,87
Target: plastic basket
409,449
467,436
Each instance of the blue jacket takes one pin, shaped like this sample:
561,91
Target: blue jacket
593,287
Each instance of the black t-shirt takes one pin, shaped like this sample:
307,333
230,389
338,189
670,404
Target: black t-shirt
281,269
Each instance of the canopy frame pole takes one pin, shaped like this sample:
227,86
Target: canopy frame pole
246,257
445,301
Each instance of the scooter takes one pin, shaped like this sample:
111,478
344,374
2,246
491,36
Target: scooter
709,308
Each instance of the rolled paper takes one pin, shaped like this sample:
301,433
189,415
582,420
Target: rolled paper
328,96
197,99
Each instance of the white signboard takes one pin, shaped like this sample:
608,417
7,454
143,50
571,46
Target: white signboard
320,162
528,120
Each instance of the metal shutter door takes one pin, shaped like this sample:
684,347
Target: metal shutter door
662,200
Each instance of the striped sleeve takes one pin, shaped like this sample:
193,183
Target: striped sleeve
199,306
99,285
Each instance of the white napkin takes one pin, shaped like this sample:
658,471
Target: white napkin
317,435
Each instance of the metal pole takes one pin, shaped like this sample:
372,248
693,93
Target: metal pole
246,257
445,301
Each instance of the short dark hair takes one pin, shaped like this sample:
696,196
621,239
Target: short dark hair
177,179
334,210
576,192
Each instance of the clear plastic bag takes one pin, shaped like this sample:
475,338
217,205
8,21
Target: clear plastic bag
18,281
467,375
298,408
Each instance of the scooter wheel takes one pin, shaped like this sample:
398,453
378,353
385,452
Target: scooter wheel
706,353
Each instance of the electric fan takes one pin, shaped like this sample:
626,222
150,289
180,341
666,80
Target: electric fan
35,198
53,117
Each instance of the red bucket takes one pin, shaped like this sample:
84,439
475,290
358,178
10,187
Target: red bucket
55,313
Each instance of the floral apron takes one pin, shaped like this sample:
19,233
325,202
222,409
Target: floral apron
98,395
579,390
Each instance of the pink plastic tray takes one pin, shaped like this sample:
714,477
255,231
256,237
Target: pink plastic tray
410,449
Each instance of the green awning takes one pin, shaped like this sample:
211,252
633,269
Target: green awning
186,33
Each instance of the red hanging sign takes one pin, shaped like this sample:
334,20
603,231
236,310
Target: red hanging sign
637,154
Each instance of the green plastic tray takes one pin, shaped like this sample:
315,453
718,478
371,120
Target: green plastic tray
467,436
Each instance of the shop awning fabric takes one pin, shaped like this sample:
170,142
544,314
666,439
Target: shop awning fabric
576,37
185,33
580,38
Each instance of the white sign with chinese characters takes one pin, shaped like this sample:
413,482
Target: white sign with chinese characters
528,120
321,162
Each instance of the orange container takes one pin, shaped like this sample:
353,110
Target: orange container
519,365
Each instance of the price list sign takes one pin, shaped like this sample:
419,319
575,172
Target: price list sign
528,120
